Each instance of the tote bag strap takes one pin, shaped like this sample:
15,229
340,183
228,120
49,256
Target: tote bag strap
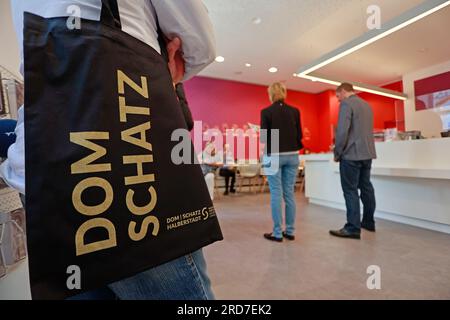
162,41
110,14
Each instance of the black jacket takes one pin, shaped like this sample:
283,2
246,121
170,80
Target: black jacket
287,120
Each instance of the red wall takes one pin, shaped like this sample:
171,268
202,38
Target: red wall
324,112
383,110
399,105
216,102
383,107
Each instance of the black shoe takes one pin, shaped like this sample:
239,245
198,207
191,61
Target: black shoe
345,234
225,193
289,237
233,191
371,229
270,237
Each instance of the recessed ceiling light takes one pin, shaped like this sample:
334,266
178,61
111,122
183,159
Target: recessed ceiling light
220,59
248,65
256,20
273,70
295,75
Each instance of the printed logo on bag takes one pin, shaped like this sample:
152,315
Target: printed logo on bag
190,218
86,165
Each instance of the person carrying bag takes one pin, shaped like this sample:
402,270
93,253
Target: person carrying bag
103,196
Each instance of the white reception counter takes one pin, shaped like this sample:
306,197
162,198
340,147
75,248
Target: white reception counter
411,180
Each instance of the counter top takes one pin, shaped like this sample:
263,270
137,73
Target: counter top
427,159
443,174
316,157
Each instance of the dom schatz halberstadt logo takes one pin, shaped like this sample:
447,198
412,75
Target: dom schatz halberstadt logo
187,218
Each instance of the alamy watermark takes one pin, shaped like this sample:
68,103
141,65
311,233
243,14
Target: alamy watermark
374,280
374,19
74,19
74,279
243,146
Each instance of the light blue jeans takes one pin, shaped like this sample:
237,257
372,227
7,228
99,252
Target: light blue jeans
182,279
281,177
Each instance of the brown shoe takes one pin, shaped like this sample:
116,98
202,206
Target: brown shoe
289,237
270,237
368,228
345,234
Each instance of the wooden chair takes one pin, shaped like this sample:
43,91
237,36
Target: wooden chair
301,175
217,179
248,172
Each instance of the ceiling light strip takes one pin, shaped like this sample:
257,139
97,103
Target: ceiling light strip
415,14
359,87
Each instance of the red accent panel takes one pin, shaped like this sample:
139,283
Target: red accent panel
440,82
383,109
432,92
220,103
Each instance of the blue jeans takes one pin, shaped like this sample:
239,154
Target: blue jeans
281,182
356,175
182,279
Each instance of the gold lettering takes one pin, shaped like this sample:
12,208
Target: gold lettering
123,78
140,211
83,248
127,136
138,137
140,178
85,165
125,110
143,232
89,183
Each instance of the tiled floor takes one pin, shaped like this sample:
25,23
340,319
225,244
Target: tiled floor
415,263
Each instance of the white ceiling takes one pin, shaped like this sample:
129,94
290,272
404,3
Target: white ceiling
294,33
422,44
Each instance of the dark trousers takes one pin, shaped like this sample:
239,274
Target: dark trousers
227,173
355,175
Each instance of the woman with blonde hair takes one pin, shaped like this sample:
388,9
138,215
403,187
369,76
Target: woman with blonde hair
282,144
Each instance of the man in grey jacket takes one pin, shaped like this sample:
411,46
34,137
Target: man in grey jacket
355,150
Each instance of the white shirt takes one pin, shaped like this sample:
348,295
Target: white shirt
186,19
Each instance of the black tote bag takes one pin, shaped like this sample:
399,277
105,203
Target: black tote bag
104,200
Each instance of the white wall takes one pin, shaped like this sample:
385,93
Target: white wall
428,121
9,53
